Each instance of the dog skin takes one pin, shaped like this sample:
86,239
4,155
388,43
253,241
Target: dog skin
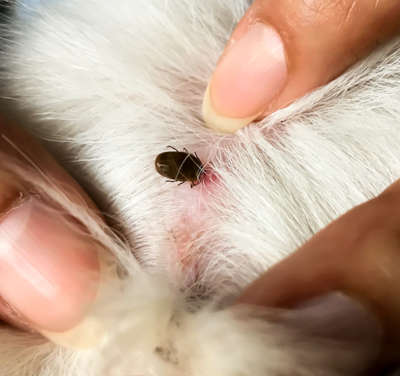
108,89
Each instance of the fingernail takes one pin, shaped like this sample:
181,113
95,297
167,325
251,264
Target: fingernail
250,74
49,271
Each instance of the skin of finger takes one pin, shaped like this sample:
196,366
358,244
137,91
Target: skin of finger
23,147
322,37
20,146
358,254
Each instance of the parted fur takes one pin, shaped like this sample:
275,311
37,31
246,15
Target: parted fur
110,85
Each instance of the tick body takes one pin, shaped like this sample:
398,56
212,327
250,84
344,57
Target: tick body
180,166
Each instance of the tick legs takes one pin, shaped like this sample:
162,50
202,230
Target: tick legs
171,147
174,181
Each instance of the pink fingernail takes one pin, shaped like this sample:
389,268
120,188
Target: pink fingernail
252,72
49,272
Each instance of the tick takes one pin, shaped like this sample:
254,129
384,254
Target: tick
180,166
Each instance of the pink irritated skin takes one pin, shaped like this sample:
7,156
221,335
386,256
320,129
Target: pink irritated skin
191,221
49,271
209,179
184,233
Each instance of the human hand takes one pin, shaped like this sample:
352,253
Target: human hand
277,53
49,268
358,254
281,50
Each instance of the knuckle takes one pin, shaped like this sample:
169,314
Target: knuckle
382,229
376,221
336,11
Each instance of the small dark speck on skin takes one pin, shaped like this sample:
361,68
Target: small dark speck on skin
166,354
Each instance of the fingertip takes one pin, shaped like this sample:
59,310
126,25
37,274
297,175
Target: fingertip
219,122
251,72
50,271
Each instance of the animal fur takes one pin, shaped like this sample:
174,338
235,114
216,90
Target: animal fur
110,85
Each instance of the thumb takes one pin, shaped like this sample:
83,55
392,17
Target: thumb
281,50
358,254
49,265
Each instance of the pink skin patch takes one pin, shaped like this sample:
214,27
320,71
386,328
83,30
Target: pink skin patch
191,217
192,221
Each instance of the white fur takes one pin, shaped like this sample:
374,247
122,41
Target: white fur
152,328
110,85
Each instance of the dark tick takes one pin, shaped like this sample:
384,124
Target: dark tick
180,166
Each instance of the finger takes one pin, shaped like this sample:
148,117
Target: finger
358,254
49,267
281,50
